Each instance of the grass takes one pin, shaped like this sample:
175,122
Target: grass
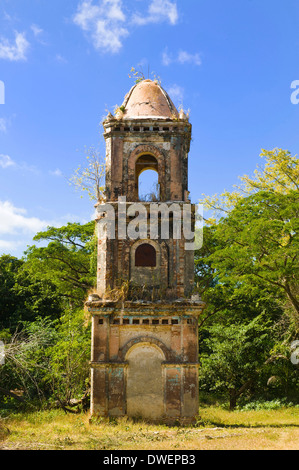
217,429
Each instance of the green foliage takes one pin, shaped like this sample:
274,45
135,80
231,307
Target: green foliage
234,357
68,260
46,334
258,245
25,295
246,272
69,356
138,75
230,300
266,405
9,267
248,269
26,361
279,175
49,360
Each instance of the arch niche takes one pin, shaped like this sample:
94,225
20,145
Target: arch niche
145,387
145,263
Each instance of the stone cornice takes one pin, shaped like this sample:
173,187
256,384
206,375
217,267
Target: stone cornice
177,307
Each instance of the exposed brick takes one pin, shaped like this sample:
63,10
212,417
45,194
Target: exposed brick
145,339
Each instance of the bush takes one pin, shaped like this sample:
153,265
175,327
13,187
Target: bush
47,362
266,405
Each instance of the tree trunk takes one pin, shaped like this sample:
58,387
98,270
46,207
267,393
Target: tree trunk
295,303
233,395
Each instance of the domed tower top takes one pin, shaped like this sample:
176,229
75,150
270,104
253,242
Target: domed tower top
148,99
147,133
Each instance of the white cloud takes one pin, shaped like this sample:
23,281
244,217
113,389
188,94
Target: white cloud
36,30
15,220
9,245
59,58
185,57
2,92
14,51
103,22
158,11
166,58
182,57
176,93
161,9
56,172
17,228
3,125
86,14
6,161
114,11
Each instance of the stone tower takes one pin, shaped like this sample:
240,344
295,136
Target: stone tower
144,316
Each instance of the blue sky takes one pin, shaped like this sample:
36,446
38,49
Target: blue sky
65,64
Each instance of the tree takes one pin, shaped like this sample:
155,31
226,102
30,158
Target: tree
69,260
248,266
259,245
48,360
47,337
227,299
23,296
91,178
280,175
26,361
69,358
256,229
9,266
234,358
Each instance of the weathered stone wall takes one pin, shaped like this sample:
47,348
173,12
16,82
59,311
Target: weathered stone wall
154,343
168,142
173,275
144,329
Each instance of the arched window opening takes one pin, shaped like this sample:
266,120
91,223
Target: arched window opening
147,179
148,186
145,256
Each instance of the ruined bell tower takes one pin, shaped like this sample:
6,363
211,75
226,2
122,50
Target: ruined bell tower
144,316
